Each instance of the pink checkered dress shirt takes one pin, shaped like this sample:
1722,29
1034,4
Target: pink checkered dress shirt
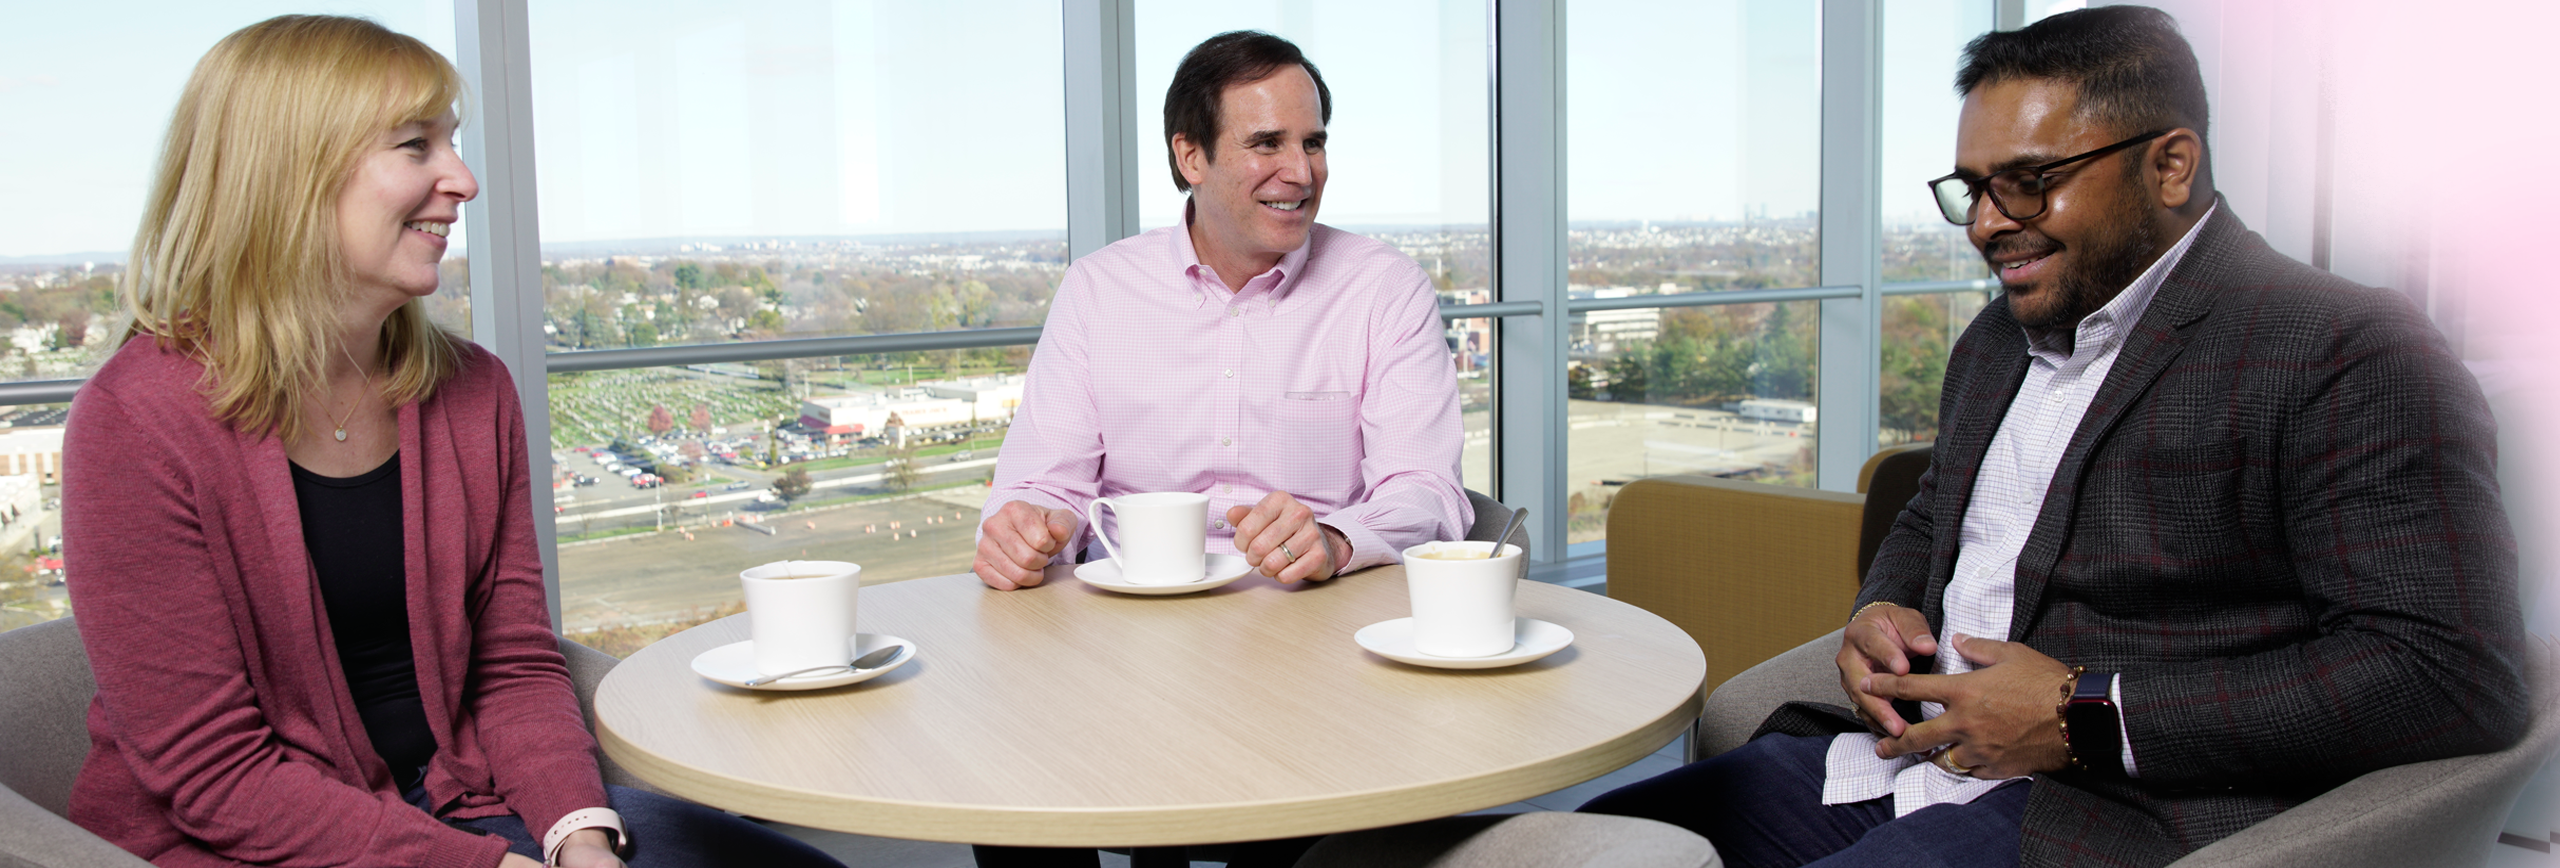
1327,377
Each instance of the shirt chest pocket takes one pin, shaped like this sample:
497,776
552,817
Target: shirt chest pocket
1316,437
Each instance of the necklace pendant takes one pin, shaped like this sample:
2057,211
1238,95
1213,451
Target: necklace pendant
342,435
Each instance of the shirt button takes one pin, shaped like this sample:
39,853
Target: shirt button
1226,441
1231,372
1226,489
1234,311
1220,524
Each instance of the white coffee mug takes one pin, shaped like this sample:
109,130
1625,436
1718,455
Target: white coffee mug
1164,536
800,613
1463,607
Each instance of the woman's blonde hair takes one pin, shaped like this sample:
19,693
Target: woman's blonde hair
237,261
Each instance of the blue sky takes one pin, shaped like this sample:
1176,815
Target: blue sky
813,117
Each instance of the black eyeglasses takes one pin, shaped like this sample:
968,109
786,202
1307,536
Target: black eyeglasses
2018,193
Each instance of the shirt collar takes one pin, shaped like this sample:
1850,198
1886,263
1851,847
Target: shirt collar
1270,287
2102,329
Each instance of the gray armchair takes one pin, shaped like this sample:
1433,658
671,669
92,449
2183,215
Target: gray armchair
45,688
1491,516
2441,812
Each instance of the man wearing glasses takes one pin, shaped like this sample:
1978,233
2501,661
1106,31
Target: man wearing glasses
2235,518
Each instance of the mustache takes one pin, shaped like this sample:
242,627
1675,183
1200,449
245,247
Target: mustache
2018,244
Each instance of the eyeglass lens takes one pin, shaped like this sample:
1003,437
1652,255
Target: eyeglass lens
2018,193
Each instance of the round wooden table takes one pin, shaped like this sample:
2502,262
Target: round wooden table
1065,715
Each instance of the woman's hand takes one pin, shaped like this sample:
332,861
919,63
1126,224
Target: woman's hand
515,861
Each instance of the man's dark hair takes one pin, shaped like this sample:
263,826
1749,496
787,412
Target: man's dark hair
2134,71
1191,105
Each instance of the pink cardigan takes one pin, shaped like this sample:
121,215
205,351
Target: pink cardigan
223,732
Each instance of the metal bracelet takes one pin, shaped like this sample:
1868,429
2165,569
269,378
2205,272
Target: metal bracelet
2062,717
1862,610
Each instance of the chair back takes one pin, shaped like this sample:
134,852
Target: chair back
1749,570
1491,517
45,686
1889,481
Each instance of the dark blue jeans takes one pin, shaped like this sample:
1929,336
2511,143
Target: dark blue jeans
1761,805
666,833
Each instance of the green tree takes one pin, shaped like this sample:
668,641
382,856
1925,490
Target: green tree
1577,382
1915,364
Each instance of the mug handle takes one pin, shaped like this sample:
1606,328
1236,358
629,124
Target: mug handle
1093,519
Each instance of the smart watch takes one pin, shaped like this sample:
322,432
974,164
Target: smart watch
2093,724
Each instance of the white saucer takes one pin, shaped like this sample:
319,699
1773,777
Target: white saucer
734,664
1105,574
1394,640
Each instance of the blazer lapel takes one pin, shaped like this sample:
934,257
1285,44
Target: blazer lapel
2182,301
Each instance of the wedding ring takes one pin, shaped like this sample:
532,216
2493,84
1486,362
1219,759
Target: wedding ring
1293,556
1947,760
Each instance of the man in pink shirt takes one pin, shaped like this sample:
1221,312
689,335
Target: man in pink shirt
1294,373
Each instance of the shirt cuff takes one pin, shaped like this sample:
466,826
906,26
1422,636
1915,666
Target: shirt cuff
583,818
2124,734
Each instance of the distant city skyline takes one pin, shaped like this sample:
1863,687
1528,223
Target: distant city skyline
659,119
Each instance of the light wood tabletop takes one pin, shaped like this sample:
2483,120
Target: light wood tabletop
1065,715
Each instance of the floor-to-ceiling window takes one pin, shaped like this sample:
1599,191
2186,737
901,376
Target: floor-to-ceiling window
1932,275
715,173
1693,130
792,256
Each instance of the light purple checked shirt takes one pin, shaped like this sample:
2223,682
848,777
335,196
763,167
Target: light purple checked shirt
2007,496
1327,377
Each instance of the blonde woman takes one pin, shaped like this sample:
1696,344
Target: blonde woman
305,567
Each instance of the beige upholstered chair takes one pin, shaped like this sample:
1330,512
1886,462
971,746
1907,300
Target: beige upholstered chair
1748,569
45,687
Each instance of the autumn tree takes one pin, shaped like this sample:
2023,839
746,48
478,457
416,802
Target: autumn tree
793,485
901,472
701,418
661,420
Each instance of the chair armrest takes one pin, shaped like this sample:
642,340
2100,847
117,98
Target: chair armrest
2439,812
1808,673
587,669
32,837
1749,570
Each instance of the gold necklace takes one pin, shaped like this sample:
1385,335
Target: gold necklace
359,401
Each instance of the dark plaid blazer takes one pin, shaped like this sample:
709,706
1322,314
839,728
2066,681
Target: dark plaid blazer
2279,520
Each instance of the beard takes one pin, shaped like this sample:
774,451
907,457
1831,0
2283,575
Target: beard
2117,251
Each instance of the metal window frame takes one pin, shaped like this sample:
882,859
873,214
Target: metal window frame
1852,155
503,227
1526,62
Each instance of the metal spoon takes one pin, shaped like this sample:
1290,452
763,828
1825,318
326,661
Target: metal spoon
1505,536
873,660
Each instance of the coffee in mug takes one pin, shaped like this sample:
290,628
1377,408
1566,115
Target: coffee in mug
800,613
1163,536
